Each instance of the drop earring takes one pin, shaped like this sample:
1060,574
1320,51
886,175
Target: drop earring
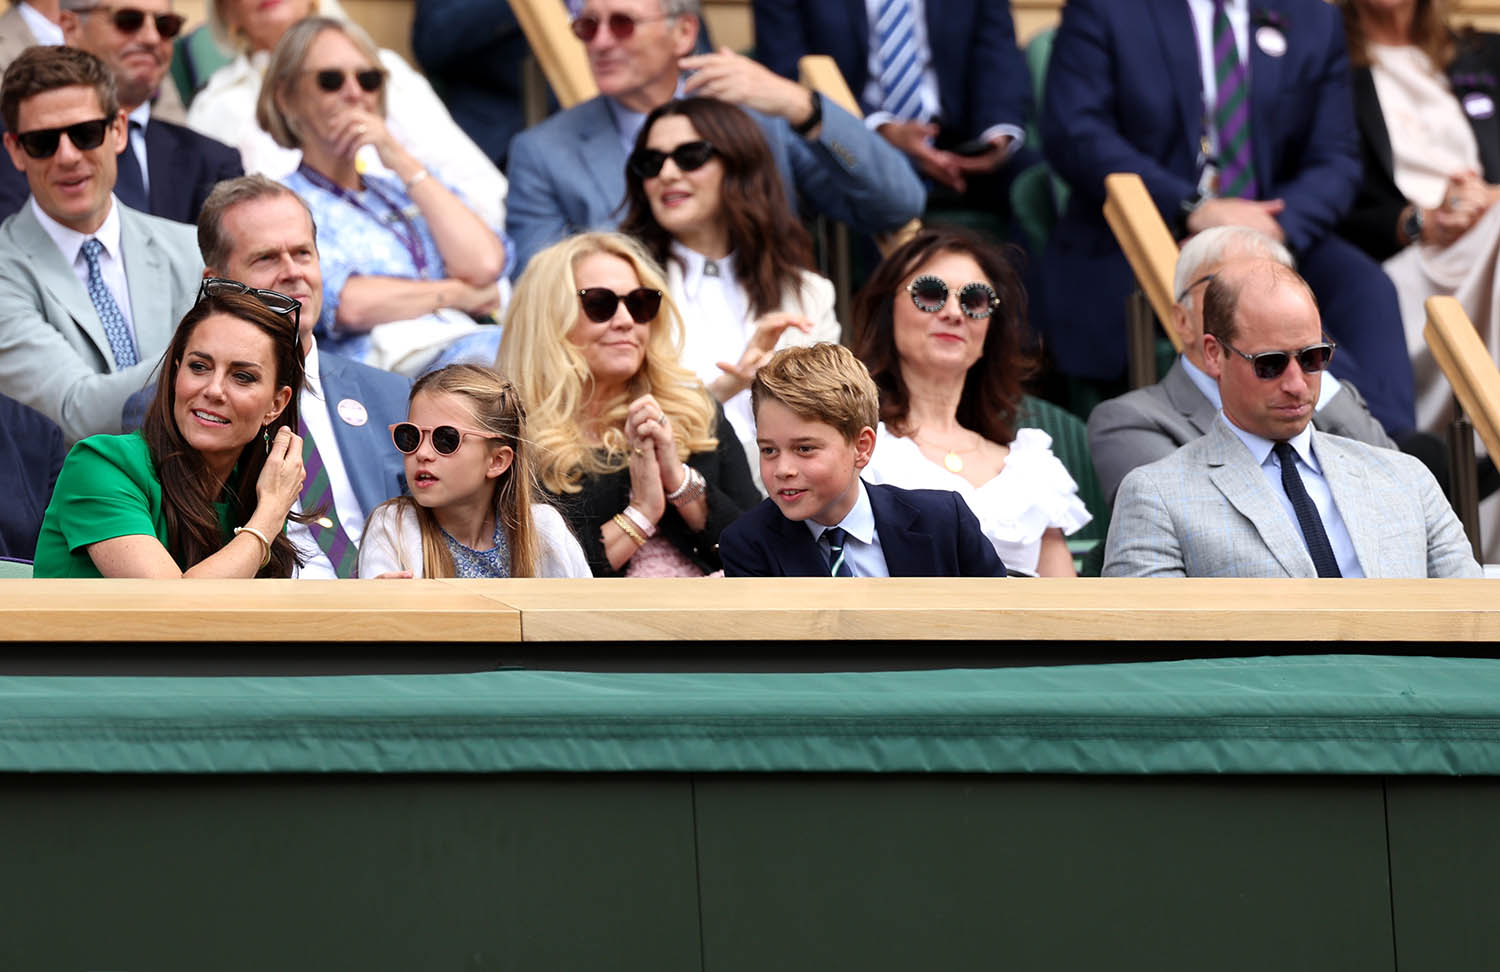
265,436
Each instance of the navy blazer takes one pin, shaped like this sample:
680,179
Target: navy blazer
31,453
182,166
982,78
1371,225
376,470
1124,94
923,533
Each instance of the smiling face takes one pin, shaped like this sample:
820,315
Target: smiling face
641,70
71,186
263,21
273,249
945,342
810,470
687,205
226,388
1282,317
615,349
140,59
464,477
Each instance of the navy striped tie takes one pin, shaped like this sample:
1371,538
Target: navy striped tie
1232,111
835,537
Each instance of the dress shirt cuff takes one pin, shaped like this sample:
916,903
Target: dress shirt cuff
1017,136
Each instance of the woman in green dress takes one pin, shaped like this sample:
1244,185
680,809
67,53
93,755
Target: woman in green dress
205,487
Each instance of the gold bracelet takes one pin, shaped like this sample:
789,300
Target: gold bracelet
264,543
628,528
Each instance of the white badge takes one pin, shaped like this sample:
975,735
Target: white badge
1478,105
1271,41
353,413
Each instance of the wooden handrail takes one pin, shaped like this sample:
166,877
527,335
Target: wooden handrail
1468,364
561,56
1146,241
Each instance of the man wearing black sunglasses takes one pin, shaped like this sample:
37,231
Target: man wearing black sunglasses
90,291
568,173
1263,494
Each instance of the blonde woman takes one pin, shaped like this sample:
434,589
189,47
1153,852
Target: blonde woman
469,468
634,449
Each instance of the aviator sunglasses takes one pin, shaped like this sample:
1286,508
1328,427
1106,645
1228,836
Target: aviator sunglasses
599,303
1270,364
279,303
646,163
128,20
621,26
332,79
977,300
41,143
446,439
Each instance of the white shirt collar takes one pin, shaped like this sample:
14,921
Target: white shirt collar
629,123
1260,448
314,376
142,115
693,264
70,241
43,30
859,522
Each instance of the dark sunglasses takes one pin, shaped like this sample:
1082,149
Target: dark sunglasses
599,303
1270,364
622,26
41,143
128,20
445,438
332,79
977,300
646,163
279,303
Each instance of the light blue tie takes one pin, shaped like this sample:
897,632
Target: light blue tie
120,341
900,74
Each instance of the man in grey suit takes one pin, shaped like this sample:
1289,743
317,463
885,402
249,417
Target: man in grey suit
1153,422
1263,494
90,291
567,174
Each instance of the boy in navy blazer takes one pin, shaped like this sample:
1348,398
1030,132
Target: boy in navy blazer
815,414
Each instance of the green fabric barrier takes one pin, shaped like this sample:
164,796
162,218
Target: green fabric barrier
1311,714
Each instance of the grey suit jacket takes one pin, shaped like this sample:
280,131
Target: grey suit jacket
54,355
567,175
15,36
1207,511
1153,422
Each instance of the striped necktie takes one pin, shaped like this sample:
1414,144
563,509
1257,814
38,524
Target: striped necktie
835,537
1232,111
900,74
317,493
121,344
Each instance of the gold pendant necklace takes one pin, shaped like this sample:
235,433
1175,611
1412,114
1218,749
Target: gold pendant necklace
953,462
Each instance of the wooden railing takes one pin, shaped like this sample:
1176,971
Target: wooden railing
557,51
1470,369
1152,255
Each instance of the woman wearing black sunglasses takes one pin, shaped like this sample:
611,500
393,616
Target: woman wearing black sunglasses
704,195
205,487
406,265
640,458
939,325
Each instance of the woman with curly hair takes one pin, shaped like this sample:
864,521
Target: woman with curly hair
594,345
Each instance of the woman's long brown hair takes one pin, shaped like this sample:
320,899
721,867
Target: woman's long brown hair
193,531
770,244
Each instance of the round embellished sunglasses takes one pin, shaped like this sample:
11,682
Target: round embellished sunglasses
446,439
977,300
599,303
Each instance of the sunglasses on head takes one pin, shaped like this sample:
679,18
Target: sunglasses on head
599,303
446,439
1270,364
41,143
128,20
279,303
621,26
646,163
977,300
332,79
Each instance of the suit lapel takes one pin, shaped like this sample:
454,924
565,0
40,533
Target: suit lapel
1265,84
161,170
60,281
1179,47
1233,470
147,277
907,553
797,551
1187,399
1351,495
602,157
1371,120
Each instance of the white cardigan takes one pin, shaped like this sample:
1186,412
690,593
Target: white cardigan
389,545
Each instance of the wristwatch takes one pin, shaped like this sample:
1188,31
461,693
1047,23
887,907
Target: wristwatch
1411,226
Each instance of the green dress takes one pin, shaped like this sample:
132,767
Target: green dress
107,488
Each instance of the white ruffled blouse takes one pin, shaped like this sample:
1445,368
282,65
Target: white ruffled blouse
1030,495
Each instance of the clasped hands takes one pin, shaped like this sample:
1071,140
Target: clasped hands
655,467
948,168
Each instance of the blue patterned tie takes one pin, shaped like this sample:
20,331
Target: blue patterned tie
1307,513
900,74
120,341
837,565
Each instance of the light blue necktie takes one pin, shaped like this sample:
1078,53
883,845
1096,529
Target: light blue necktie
120,341
900,74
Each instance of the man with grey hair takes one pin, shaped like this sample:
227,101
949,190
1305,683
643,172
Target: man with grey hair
1147,424
567,174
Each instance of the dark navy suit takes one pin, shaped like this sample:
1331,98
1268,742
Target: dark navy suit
31,453
374,467
1125,94
923,533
